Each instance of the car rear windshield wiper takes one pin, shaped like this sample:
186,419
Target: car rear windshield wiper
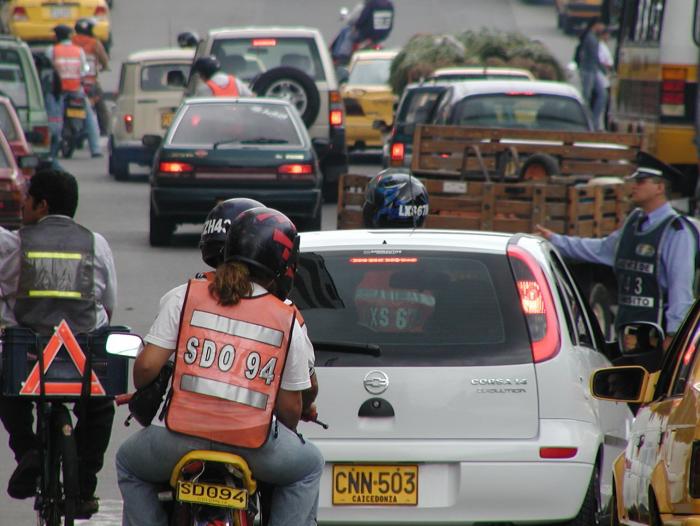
348,347
264,140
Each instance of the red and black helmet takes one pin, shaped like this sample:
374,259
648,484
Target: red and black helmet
267,241
213,238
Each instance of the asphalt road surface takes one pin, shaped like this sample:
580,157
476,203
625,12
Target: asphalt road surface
119,211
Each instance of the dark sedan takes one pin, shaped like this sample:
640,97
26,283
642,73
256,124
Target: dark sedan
218,148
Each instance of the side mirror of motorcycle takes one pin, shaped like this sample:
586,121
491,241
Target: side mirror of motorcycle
176,79
126,345
152,142
30,162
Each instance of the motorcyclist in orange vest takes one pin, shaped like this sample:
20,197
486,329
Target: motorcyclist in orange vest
216,83
240,367
97,60
71,64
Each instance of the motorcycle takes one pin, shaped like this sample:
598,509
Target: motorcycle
74,132
345,43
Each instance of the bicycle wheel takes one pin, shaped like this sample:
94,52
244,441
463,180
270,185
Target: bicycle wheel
69,463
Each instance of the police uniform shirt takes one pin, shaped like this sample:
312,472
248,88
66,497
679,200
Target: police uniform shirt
105,277
677,270
166,327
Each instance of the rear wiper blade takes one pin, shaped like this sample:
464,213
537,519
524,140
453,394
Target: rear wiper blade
264,140
226,141
348,347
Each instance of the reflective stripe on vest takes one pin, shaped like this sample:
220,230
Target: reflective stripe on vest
230,90
66,59
228,366
56,276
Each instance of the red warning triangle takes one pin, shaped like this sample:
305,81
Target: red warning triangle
62,337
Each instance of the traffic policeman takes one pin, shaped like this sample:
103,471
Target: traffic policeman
652,254
73,270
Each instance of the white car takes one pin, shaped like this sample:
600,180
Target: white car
453,372
145,105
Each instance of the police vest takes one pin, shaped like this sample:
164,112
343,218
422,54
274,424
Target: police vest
230,90
228,367
89,46
66,59
637,265
57,276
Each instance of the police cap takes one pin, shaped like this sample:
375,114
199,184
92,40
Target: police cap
650,166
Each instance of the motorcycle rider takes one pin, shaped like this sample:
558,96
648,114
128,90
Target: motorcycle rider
216,83
247,291
86,301
71,64
97,60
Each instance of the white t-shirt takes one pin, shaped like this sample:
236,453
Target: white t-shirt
300,358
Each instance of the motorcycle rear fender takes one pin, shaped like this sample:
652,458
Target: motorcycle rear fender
220,457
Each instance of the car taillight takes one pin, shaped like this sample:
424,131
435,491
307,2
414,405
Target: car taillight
694,479
397,153
100,11
296,171
19,14
352,107
336,114
174,168
673,81
537,304
129,123
43,132
558,452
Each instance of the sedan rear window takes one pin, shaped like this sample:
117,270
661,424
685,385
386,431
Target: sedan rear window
420,308
236,124
248,57
155,77
520,110
7,125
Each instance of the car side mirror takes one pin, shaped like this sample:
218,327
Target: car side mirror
381,125
152,142
29,162
126,345
635,338
621,384
176,79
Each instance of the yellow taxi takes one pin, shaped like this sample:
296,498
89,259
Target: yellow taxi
656,481
367,97
34,20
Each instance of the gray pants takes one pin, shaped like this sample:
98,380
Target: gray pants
146,459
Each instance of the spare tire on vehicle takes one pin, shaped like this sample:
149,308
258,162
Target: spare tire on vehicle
293,85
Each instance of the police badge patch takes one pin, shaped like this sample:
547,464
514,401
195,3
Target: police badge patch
645,250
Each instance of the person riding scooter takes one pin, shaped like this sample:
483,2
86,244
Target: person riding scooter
97,60
217,83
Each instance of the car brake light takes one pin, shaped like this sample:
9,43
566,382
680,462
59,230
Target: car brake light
521,93
129,123
694,479
398,151
295,171
100,11
19,14
537,304
336,118
175,167
336,115
382,260
558,452
43,132
264,42
673,91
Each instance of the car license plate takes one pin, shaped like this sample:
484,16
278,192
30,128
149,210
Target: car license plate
212,495
60,12
76,113
375,485
166,119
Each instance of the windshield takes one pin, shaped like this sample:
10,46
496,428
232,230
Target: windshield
247,58
420,308
12,82
155,77
539,112
417,107
236,123
370,72
7,125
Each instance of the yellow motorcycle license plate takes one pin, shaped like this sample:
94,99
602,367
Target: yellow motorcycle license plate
212,495
76,113
166,119
375,485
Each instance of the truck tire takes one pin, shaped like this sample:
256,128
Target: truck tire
599,300
293,85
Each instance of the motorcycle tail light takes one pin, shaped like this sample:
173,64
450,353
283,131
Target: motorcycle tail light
175,168
398,153
694,479
558,452
537,304
100,11
19,14
129,123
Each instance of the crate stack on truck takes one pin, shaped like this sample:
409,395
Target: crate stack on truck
476,181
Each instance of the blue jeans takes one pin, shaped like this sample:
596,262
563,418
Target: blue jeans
92,127
146,459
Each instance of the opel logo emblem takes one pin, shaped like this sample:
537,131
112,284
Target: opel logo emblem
376,382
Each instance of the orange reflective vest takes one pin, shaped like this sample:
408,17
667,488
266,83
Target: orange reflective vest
228,367
89,46
230,90
66,60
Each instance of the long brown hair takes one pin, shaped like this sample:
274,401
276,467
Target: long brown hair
231,283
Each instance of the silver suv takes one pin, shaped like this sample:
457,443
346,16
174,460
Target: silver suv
293,64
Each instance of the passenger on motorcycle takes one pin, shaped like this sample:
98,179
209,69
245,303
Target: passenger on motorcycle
374,23
97,60
72,66
262,358
37,295
216,83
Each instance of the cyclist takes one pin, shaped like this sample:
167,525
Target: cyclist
97,60
86,302
247,291
216,83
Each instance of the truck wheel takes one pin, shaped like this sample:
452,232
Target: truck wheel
293,85
599,300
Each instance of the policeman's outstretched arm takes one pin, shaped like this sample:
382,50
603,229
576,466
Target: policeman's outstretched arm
149,363
289,408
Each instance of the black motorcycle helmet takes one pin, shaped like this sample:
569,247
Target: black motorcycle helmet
267,241
206,66
84,26
213,238
62,32
395,199
188,39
